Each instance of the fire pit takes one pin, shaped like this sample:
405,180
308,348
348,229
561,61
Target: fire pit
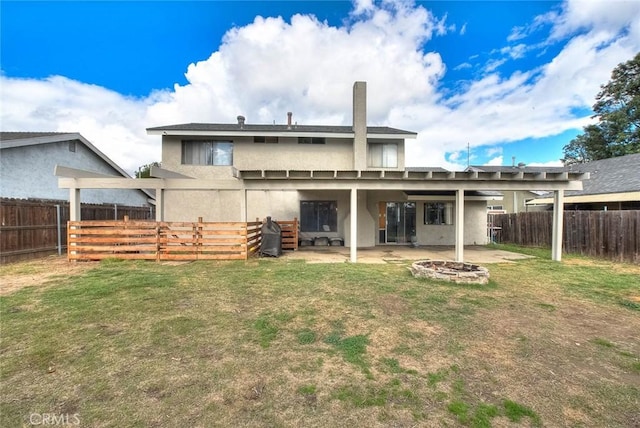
447,270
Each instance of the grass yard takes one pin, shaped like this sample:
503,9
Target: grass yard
285,343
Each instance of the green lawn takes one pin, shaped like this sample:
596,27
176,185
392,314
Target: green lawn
278,343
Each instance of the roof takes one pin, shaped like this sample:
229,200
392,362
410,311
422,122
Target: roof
613,175
250,129
5,136
611,180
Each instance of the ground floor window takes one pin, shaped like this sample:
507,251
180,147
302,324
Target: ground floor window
196,152
318,216
438,213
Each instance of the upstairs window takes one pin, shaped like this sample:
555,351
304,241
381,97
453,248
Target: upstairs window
383,155
312,140
438,213
198,152
318,216
267,140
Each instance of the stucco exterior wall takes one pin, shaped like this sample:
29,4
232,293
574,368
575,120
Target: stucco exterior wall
366,225
211,205
514,201
27,172
279,205
475,226
226,205
247,155
287,154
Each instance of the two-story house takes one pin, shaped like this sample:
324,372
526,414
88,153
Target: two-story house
339,181
307,172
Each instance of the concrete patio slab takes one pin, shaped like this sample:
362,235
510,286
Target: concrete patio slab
402,254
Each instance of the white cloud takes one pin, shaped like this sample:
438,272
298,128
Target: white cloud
594,16
58,104
517,33
492,151
549,163
496,161
515,52
271,66
463,66
463,30
493,65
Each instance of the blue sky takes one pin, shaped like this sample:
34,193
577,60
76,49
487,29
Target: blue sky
508,78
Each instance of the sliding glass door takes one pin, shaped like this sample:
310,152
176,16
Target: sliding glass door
400,222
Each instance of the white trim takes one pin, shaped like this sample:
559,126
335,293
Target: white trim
295,184
452,198
601,197
292,133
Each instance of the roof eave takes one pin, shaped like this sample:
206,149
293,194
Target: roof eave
288,133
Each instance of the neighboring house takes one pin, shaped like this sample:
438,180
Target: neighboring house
513,202
348,182
614,184
28,159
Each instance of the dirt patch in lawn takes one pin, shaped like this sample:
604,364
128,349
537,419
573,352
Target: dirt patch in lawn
615,267
558,359
38,273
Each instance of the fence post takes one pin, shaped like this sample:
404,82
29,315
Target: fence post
158,228
115,211
197,230
59,229
245,241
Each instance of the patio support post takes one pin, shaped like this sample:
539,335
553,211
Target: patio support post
74,204
558,213
159,204
353,249
459,225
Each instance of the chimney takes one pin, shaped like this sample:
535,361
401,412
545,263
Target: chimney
241,121
360,125
289,114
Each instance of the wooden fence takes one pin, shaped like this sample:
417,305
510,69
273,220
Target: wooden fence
289,234
614,235
150,240
30,229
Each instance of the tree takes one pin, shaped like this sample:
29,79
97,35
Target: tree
617,108
145,170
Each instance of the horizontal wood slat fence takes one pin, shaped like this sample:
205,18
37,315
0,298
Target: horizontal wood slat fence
151,240
29,228
613,235
289,234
